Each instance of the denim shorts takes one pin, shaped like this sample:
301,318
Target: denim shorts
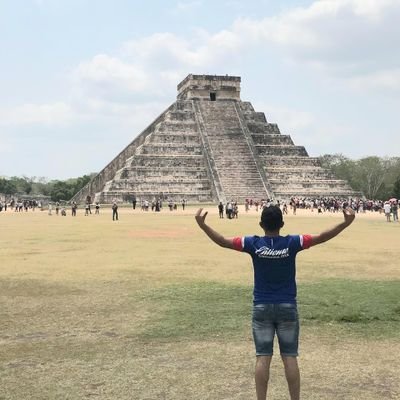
281,319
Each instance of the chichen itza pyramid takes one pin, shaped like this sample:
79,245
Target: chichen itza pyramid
208,146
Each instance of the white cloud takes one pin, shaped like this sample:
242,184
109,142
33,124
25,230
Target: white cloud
184,6
339,38
345,37
389,80
168,51
103,72
351,40
46,114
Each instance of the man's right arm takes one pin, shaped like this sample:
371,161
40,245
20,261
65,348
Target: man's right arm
216,237
349,216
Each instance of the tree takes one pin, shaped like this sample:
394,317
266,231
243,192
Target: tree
80,183
7,186
341,167
65,190
60,190
396,188
57,190
371,172
22,185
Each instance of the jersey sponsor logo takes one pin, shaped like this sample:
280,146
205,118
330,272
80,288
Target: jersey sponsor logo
266,252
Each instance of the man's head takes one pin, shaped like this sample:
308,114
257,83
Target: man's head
271,218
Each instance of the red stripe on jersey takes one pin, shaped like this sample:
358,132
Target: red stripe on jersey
307,241
237,243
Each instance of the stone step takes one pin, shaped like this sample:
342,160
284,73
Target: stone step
274,139
273,160
281,150
262,128
173,149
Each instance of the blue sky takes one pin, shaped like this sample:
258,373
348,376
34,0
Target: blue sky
81,79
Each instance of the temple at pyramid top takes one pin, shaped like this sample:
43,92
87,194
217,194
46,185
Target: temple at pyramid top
211,146
209,87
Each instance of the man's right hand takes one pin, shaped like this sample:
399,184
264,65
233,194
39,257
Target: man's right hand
200,217
349,215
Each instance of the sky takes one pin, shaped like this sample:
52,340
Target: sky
80,79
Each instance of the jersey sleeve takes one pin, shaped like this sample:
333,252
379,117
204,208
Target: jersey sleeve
305,241
238,243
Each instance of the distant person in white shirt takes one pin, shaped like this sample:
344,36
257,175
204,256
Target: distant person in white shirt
387,209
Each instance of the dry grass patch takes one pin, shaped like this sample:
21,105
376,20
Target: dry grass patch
91,308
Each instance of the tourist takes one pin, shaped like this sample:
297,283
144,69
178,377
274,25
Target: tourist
134,201
88,203
235,211
228,210
387,209
275,309
221,209
115,211
395,210
74,206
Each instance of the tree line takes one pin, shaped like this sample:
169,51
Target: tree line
376,177
57,190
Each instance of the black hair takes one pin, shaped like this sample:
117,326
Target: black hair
271,218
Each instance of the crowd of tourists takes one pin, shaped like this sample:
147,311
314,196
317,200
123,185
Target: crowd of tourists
330,204
20,205
157,204
228,210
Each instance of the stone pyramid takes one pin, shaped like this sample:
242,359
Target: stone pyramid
210,146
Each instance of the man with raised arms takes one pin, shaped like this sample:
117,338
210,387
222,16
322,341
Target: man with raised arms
274,295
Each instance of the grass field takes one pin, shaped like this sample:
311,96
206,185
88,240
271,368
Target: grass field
148,308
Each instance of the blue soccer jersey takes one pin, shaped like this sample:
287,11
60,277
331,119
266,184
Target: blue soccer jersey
274,263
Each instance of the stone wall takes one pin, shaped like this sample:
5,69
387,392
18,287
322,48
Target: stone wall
203,86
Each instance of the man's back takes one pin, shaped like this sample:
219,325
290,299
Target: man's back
274,263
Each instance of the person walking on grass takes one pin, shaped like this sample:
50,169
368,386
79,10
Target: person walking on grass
395,211
274,295
387,208
115,211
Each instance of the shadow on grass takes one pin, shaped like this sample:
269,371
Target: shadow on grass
211,309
